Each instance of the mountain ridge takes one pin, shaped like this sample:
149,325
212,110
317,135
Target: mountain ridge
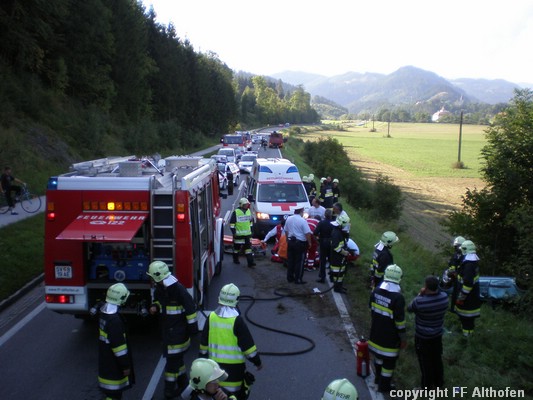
407,85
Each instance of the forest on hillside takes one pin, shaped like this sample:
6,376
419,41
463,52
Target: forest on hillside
90,78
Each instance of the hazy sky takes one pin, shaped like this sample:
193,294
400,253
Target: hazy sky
454,38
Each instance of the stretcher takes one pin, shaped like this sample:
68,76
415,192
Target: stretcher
258,248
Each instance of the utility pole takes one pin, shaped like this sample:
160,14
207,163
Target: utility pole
460,138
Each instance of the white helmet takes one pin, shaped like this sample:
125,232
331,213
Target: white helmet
158,270
389,238
458,241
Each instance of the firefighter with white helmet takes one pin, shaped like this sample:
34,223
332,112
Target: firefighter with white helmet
326,193
382,256
387,332
449,278
336,190
240,224
226,329
115,366
177,313
312,192
339,252
340,389
204,384
468,303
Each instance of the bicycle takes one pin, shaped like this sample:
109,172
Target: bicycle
31,203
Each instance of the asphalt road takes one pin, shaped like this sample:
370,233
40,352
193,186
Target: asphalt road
45,355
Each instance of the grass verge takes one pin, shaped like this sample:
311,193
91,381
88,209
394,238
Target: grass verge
21,247
499,355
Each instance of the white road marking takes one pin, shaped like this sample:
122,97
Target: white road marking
19,325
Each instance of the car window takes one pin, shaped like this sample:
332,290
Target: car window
248,158
281,193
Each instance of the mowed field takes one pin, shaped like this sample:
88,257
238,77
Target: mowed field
420,159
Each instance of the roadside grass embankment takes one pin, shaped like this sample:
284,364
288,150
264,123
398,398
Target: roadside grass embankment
499,355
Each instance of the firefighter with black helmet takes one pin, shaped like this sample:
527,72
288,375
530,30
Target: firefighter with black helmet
468,303
227,340
177,312
240,224
387,332
382,256
339,252
115,366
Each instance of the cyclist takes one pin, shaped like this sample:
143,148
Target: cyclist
6,182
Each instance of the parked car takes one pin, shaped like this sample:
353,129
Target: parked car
247,161
223,168
229,152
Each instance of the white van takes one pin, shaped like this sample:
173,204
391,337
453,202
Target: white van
275,189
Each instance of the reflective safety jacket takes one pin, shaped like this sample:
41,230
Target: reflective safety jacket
241,222
113,354
178,316
388,321
326,196
468,281
228,341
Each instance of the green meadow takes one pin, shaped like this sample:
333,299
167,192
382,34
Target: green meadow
425,150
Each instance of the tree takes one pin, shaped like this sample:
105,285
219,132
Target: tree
498,217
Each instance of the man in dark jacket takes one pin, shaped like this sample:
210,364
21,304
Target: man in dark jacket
115,367
178,321
468,303
430,308
323,233
387,333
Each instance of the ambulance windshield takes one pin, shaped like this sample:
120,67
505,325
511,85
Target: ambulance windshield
281,193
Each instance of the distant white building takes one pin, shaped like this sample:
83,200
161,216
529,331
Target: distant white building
442,112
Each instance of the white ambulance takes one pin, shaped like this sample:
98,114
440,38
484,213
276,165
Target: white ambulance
275,189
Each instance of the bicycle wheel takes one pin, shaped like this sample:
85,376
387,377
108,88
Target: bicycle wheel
30,203
3,204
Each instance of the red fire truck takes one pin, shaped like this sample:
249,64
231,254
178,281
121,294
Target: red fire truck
108,219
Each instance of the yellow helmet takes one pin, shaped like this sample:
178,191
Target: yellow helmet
158,270
117,294
243,201
389,238
229,295
393,273
340,389
468,247
203,371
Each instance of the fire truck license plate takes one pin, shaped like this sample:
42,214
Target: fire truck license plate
63,272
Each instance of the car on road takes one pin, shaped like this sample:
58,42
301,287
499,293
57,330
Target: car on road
223,169
247,161
229,152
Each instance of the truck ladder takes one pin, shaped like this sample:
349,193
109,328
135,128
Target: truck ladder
162,230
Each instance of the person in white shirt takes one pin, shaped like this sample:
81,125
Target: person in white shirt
317,211
299,239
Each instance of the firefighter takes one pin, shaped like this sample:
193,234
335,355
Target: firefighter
227,340
115,367
387,331
323,234
382,256
338,210
177,312
339,252
450,277
340,389
326,193
336,190
468,303
312,185
240,224
205,382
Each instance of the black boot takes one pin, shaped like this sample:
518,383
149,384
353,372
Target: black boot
236,259
337,287
250,259
183,382
170,390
